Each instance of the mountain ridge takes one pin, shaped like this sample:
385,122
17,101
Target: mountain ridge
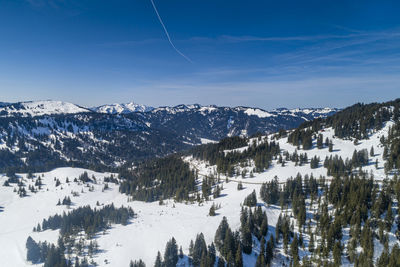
49,107
41,135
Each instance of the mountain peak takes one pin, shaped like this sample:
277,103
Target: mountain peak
39,108
122,108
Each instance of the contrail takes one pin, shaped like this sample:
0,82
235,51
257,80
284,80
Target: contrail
166,32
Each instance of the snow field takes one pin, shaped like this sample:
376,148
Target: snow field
155,224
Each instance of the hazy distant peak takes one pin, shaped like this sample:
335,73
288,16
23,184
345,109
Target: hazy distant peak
122,108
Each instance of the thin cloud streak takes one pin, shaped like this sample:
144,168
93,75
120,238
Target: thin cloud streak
249,38
166,32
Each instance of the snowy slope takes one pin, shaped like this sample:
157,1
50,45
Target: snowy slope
155,224
147,234
122,108
20,215
315,112
342,148
39,108
307,113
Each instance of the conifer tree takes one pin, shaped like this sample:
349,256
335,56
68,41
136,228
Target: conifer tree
246,239
199,249
337,253
238,257
212,210
33,250
212,254
171,253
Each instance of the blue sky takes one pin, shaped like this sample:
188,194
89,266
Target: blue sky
267,54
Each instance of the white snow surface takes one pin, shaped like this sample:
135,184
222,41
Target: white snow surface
122,108
207,141
39,108
259,113
155,224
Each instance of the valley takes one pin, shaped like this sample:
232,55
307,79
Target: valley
223,188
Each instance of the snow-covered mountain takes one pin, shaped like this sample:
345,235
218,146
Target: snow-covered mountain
306,113
214,123
122,108
65,134
157,222
314,112
50,107
39,108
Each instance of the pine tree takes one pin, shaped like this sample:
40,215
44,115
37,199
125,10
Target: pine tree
33,250
389,217
203,260
220,233
320,141
212,254
238,257
135,263
180,252
212,210
246,239
158,262
199,249
264,226
269,252
171,253
294,248
221,262
240,186
261,262
191,246
337,253
251,200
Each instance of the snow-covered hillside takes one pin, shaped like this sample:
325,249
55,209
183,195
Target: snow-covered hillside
315,112
63,132
142,238
122,108
305,113
342,148
39,108
155,224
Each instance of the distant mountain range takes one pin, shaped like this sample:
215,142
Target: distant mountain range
122,108
50,107
42,135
